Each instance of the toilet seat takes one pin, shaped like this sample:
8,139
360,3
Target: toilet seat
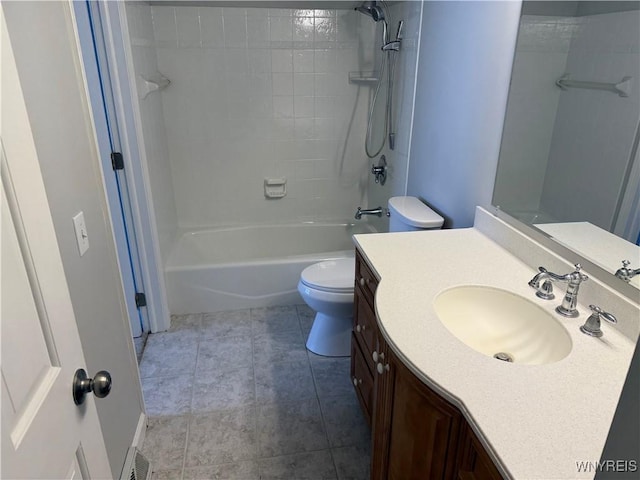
333,276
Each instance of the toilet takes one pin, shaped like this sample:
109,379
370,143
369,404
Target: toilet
327,287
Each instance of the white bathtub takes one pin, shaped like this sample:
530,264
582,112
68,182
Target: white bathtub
248,267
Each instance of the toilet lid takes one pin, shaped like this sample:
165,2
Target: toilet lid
331,275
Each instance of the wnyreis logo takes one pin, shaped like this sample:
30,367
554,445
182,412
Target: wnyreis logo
607,466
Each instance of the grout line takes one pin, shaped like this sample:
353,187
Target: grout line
190,413
324,423
255,394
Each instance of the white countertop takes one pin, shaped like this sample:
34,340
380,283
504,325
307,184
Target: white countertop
598,245
536,421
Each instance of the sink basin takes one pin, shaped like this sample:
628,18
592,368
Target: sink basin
502,324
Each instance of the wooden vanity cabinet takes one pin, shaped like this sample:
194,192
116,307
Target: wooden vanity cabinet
473,461
416,433
364,337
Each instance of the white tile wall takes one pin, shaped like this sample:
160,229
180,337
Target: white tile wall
595,130
580,140
258,93
151,109
403,96
541,57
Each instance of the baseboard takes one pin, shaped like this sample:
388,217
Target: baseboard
141,431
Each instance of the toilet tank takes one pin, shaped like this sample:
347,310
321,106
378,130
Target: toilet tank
409,213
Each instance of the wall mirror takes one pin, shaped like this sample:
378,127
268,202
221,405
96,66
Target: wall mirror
569,164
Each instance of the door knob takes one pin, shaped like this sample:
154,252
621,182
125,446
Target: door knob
100,385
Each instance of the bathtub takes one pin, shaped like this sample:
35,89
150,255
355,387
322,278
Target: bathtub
252,266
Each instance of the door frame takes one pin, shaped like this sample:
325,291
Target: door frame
119,57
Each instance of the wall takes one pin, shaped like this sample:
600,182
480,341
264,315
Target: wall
594,130
466,52
154,134
46,53
541,57
403,101
261,93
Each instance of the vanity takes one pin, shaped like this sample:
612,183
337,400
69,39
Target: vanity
439,407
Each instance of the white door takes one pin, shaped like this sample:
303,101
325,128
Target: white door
44,434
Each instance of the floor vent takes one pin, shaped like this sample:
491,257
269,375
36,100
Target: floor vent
136,466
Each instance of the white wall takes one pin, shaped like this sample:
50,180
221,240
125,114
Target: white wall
154,134
49,67
261,93
541,57
403,101
466,52
594,130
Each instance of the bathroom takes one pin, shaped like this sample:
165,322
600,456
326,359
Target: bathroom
220,166
259,95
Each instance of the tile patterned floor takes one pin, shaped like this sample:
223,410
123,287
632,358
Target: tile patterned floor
236,396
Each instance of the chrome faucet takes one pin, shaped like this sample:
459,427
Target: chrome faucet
570,300
592,325
625,273
372,211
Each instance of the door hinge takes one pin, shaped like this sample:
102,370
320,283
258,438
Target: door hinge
141,300
117,161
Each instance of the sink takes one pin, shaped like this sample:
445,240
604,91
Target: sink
502,325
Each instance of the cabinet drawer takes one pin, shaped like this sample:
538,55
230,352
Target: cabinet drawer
365,327
365,279
362,379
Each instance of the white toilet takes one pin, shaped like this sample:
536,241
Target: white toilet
327,287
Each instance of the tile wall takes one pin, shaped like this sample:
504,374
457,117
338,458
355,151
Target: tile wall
259,93
554,138
541,57
154,136
595,130
403,101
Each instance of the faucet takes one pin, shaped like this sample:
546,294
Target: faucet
592,325
570,300
395,44
625,273
372,211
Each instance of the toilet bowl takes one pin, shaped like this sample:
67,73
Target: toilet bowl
328,287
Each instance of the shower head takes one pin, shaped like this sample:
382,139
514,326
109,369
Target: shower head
372,10
377,14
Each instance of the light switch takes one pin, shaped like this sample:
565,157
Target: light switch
82,236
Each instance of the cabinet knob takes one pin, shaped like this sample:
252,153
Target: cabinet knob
374,355
382,368
363,282
358,328
356,381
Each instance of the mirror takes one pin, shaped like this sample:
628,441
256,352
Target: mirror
569,163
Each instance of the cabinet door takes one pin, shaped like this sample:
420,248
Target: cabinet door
362,379
365,327
474,461
423,429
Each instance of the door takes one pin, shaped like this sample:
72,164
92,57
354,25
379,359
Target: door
88,17
44,434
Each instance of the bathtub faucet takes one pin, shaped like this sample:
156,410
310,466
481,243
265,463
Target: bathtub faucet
372,211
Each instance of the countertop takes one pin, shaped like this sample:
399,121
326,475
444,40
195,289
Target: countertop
536,421
603,248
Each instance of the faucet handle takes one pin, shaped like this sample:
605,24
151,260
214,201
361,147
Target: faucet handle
577,276
592,325
546,291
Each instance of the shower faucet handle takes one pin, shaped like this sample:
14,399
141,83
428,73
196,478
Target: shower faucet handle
400,32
